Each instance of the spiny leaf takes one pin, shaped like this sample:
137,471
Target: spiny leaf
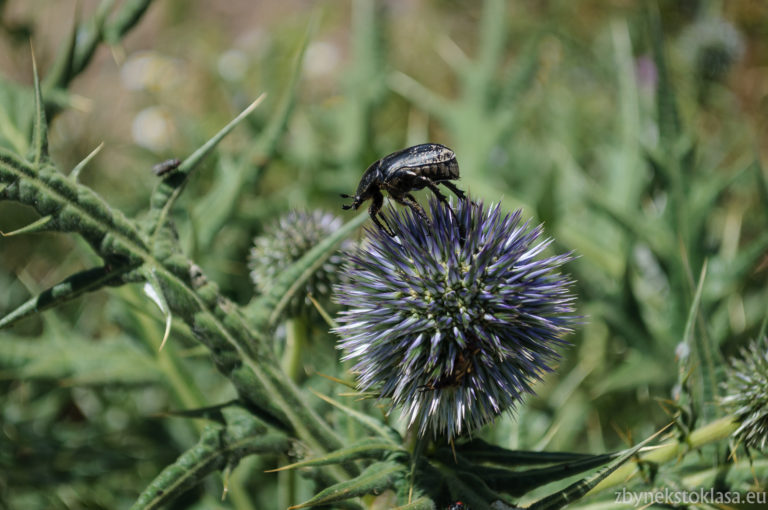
169,189
480,451
471,490
211,413
72,287
36,226
89,36
39,127
666,107
375,478
418,94
75,173
127,17
61,72
213,210
369,421
364,449
216,449
67,358
655,233
422,503
708,357
76,208
579,489
517,483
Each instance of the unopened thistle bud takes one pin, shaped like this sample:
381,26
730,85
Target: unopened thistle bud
286,241
746,394
454,330
712,45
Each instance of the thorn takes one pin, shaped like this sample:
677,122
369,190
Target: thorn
167,333
35,226
75,173
159,300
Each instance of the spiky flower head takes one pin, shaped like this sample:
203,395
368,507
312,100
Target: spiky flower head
746,394
712,45
455,331
284,242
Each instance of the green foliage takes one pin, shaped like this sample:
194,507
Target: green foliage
139,366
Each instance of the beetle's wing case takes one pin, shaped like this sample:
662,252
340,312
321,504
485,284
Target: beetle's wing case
432,160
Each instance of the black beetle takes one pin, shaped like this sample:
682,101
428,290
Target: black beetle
414,168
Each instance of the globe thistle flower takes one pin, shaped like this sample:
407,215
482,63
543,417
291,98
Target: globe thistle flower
712,45
455,331
286,241
746,390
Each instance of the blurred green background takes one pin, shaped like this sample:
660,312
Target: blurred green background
636,131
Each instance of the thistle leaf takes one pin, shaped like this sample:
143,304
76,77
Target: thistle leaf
364,449
422,503
707,356
70,288
666,103
517,483
217,448
126,18
169,189
579,489
61,72
374,479
67,358
213,210
480,451
471,490
418,94
372,423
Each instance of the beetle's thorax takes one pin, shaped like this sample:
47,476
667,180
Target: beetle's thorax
369,182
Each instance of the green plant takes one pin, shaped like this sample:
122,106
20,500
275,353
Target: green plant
666,273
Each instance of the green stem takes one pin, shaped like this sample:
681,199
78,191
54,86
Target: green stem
295,343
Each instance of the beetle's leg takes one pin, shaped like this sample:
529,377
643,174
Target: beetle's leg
456,191
374,212
433,187
410,201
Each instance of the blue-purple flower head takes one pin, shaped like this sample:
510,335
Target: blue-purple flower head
454,331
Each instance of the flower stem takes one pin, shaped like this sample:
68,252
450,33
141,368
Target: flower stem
295,342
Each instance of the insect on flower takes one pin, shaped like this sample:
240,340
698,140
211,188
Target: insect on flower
166,166
418,167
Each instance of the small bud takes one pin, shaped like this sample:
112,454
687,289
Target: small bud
746,394
712,45
286,241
